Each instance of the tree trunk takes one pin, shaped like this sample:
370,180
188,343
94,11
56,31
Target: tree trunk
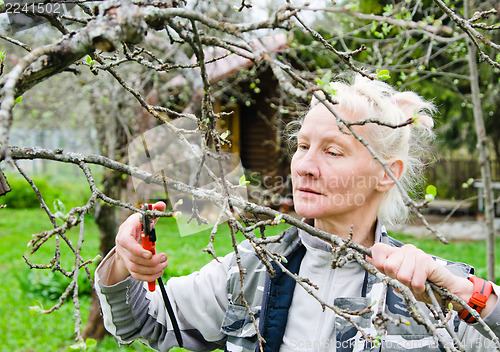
114,138
484,156
4,185
105,217
113,141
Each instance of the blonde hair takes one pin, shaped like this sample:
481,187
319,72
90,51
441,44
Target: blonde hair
408,143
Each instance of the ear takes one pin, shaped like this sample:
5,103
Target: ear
386,182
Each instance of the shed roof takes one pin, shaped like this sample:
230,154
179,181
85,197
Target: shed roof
228,65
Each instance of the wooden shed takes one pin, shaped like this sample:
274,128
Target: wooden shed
256,123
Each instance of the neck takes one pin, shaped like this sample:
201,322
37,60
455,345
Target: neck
363,231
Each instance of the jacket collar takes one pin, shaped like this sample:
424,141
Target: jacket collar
315,242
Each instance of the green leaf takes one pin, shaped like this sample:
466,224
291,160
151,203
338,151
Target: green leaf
59,206
383,74
91,344
60,211
34,310
243,181
327,78
18,100
225,134
79,346
468,183
329,90
89,59
431,189
177,214
2,54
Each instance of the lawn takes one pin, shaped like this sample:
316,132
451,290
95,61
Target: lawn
25,330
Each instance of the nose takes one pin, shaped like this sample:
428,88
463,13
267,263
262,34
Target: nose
306,164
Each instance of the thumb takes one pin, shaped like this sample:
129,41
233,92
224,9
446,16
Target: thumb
160,206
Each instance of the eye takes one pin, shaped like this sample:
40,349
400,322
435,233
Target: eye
302,146
332,152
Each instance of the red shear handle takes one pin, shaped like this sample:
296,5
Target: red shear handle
149,236
150,246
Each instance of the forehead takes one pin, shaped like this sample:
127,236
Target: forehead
320,122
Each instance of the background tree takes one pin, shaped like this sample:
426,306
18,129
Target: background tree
140,44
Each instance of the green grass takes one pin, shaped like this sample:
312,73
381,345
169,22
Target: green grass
26,331
20,288
470,252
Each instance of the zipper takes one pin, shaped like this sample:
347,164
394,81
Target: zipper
331,276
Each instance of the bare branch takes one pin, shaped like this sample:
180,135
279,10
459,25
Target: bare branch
472,33
15,42
382,19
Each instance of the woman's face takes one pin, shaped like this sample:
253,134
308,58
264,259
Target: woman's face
333,175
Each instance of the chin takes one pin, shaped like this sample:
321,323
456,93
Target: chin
307,211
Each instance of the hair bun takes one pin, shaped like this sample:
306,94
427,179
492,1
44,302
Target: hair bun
413,107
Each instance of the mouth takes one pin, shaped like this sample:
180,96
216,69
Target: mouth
309,191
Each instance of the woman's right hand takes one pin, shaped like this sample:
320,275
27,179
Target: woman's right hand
130,258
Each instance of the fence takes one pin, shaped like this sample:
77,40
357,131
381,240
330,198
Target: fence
449,175
71,140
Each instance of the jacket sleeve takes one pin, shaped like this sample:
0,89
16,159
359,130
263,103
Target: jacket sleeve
199,301
475,338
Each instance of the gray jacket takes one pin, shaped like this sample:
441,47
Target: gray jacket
210,313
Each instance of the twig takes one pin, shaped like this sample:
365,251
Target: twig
472,33
76,301
344,56
37,193
16,42
441,316
409,299
450,296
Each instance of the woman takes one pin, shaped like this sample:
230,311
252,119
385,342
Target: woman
337,184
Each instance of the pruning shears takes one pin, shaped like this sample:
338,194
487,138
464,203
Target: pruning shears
148,237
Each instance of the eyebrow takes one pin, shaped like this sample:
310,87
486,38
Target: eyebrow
329,137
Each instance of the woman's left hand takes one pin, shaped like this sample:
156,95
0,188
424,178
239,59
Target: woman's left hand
412,267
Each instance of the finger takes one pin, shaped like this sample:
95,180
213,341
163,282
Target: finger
392,264
142,274
145,270
130,243
129,235
148,269
426,264
380,252
407,266
131,226
160,206
141,256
